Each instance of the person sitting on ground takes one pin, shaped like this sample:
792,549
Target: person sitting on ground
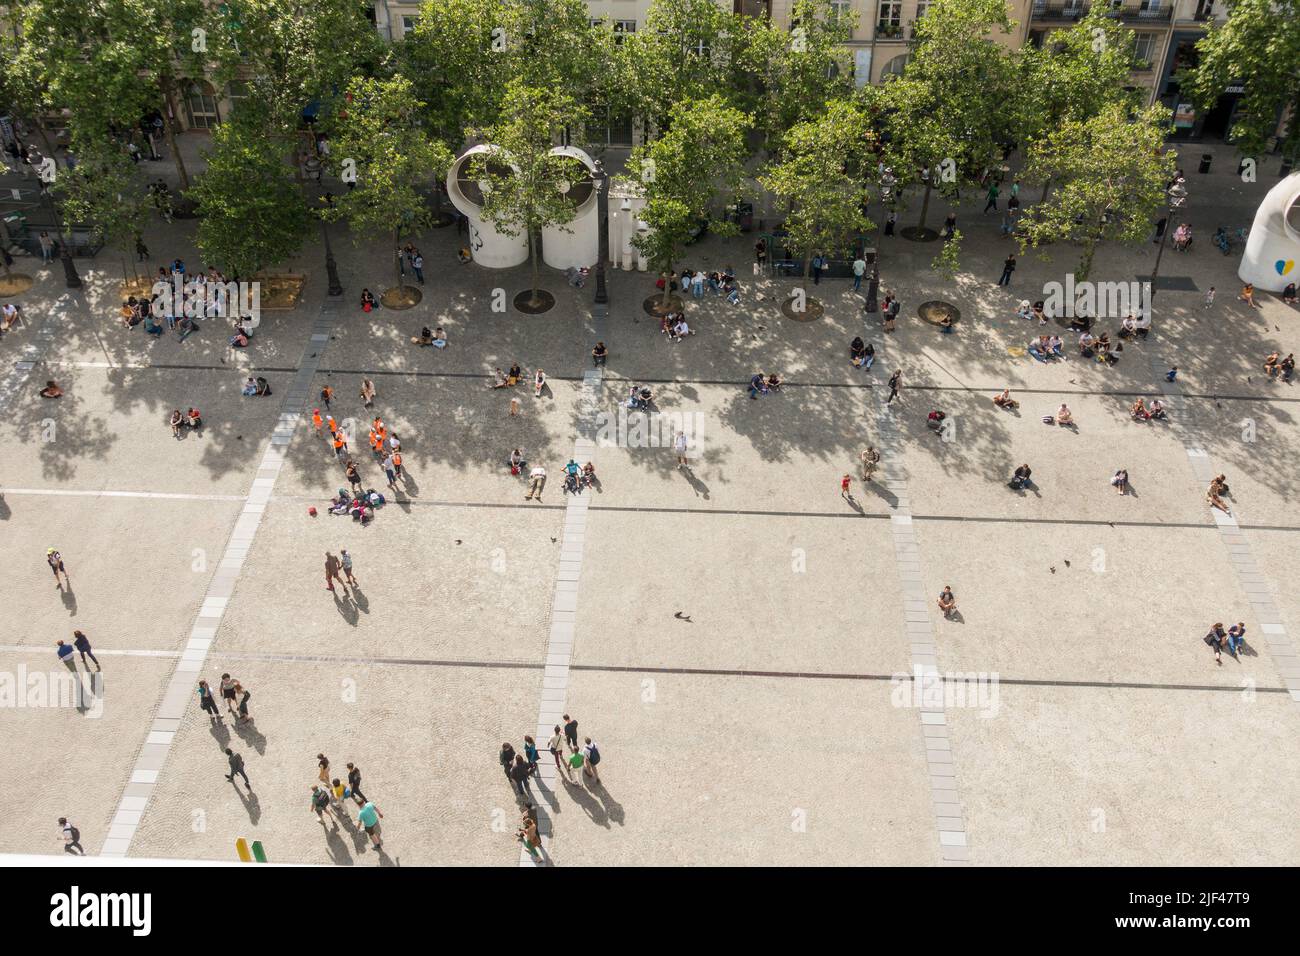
1142,325
947,602
857,352
1120,481
426,337
1103,347
1287,365
1080,322
1156,409
640,397
250,386
193,418
681,329
1086,342
263,387
176,420
1288,294
1214,495
733,292
463,254
10,313
517,461
239,340
1271,363
773,382
367,300
588,475
1138,411
1248,295
498,379
1128,327
1003,399
571,470
514,375
185,326
934,421
599,354
1020,478
1039,349
666,322
340,505
439,340
1064,416
51,390
1024,311
153,327
945,324
757,385
244,326
1056,346
539,383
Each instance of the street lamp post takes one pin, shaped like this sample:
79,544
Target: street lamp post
71,279
1177,194
331,267
601,179
886,194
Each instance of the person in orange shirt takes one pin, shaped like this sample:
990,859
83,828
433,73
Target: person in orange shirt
316,421
378,423
340,446
329,420
374,440
397,463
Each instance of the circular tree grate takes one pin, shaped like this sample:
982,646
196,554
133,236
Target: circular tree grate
524,302
936,311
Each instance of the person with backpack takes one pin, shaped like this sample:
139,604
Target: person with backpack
320,801
592,754
208,701
243,696
71,838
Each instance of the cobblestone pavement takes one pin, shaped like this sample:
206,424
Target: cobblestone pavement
760,661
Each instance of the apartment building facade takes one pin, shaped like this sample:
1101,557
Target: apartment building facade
1166,30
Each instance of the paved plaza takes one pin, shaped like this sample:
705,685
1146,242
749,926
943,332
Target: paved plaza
747,648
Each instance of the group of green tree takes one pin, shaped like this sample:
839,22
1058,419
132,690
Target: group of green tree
724,100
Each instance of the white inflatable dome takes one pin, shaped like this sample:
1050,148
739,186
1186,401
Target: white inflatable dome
1272,257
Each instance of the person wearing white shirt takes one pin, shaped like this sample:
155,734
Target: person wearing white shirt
679,446
536,480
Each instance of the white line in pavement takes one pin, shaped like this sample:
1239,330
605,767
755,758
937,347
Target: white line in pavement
1258,589
72,493
180,692
564,612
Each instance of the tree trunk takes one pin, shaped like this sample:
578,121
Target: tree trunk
397,260
807,262
925,203
1046,186
533,299
169,131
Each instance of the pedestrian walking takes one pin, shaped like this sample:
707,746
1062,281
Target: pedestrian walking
326,396
417,263
389,473
679,447
332,568
237,767
141,250
992,198
47,248
506,757
345,560
323,768
55,560
82,644
1216,639
817,269
340,445
1209,297
338,790
227,687
530,838
530,754
316,421
354,783
208,702
859,270
571,732
353,475
243,696
1008,267
368,392
369,817
895,383
1237,639
65,653
320,801
890,221
397,459
71,838
519,774
844,488
556,746
592,754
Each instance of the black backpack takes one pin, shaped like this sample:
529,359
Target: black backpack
595,755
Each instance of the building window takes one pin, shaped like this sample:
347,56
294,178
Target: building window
841,8
922,7
408,24
895,66
622,28
1144,50
237,92
201,105
890,22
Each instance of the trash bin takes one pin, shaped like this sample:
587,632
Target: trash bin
1206,159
